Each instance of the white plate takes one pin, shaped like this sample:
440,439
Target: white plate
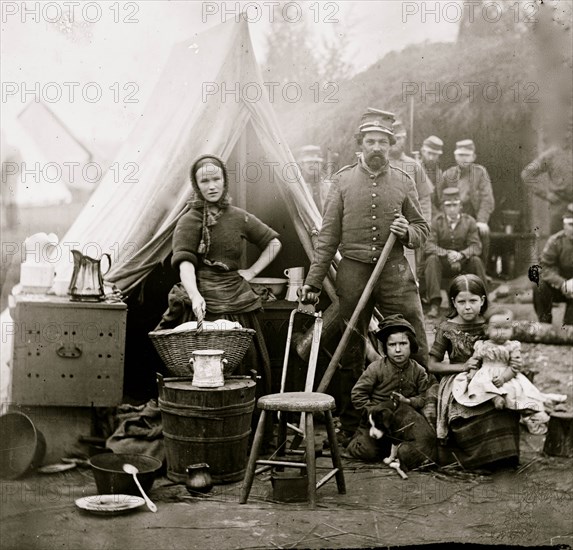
109,504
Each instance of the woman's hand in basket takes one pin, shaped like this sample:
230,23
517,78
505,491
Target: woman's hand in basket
199,306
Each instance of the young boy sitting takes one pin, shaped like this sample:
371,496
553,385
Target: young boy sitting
390,392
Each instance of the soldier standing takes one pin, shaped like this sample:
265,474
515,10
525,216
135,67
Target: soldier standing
557,163
430,153
424,187
476,192
413,168
367,201
310,161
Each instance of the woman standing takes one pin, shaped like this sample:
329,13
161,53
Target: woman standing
480,435
207,248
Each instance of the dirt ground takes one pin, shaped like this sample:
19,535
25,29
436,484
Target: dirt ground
530,506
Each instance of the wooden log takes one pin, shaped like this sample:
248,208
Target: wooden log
542,333
559,439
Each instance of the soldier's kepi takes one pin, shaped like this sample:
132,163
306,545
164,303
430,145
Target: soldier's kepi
375,134
375,120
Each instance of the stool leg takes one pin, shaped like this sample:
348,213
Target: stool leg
310,459
282,434
335,453
252,464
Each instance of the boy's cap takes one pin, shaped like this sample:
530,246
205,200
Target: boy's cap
434,144
465,146
451,195
396,323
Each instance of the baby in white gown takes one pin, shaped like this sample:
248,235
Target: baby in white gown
494,372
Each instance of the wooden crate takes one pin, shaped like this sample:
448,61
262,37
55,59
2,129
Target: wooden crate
67,353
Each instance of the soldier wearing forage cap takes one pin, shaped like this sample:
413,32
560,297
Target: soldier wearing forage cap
410,165
453,247
556,283
367,201
430,152
310,162
475,188
424,187
557,164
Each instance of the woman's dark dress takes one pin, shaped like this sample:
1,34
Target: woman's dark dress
227,295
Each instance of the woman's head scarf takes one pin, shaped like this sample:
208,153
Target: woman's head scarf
199,203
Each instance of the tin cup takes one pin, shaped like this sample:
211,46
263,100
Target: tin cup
294,274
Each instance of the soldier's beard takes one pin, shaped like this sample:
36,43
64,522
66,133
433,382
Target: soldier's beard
375,161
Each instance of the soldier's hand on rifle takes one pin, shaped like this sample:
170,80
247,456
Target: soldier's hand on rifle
308,294
399,226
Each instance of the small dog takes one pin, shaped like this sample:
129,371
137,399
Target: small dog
413,439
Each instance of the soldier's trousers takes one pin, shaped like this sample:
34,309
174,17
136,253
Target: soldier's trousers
395,292
543,297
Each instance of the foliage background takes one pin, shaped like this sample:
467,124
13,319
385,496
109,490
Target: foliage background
525,61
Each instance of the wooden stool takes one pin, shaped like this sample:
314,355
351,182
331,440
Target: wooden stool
309,403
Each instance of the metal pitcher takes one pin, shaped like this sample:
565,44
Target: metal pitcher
87,279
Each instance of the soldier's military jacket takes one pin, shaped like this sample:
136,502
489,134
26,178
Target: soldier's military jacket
557,260
475,188
424,185
557,163
359,210
463,237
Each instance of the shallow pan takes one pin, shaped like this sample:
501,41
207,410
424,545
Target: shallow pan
107,469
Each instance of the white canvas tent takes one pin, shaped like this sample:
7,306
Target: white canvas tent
133,219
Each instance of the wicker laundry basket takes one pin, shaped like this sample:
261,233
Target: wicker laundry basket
176,346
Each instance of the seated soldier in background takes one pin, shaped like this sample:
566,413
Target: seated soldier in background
453,247
556,283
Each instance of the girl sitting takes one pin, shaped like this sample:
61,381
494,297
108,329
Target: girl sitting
494,373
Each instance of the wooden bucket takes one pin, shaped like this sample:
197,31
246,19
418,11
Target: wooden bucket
210,425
